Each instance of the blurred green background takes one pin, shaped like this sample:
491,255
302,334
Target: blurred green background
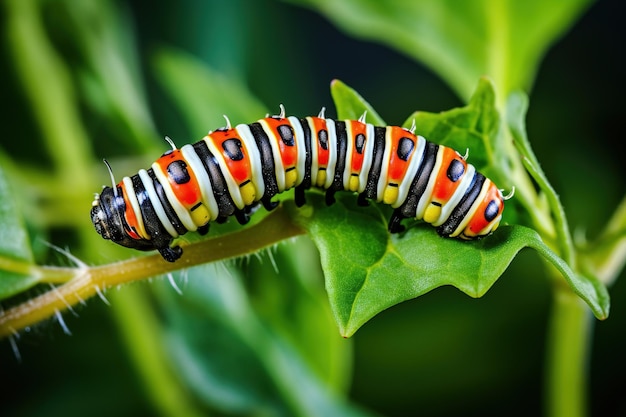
443,354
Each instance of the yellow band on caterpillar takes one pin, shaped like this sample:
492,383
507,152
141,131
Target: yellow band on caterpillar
321,178
353,184
391,194
432,213
248,193
291,177
200,215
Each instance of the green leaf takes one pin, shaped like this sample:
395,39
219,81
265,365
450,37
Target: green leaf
369,270
516,111
350,104
474,127
461,40
14,244
589,288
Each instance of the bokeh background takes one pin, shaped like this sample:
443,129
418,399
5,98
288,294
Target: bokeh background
442,354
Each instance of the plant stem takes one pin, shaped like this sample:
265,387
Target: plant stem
498,46
567,355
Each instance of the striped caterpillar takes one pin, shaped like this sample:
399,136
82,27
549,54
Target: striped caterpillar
233,169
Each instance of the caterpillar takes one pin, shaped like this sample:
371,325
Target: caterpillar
232,170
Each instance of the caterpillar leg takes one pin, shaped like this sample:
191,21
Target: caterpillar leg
203,230
252,208
171,254
330,197
395,225
362,200
299,197
269,204
242,217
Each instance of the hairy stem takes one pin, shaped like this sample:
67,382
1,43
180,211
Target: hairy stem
88,281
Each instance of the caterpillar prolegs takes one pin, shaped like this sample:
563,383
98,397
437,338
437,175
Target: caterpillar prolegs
234,168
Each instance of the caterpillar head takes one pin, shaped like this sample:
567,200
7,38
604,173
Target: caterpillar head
107,216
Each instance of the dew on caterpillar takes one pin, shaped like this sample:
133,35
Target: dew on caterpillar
234,168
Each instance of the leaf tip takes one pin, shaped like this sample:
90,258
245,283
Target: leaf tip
336,84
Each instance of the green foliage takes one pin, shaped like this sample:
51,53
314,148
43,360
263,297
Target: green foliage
461,40
258,343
